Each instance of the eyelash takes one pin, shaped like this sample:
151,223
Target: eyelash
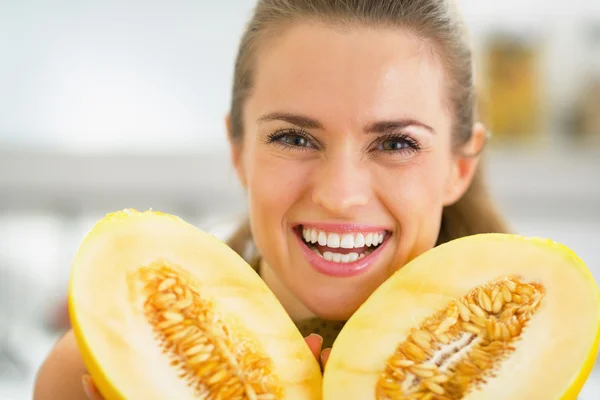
275,138
413,145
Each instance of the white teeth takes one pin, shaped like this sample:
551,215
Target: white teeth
340,258
375,239
362,255
369,239
322,239
313,236
359,240
347,241
333,240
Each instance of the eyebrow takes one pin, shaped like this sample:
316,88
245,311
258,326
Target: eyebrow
376,127
387,126
298,120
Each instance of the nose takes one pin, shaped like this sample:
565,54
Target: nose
341,185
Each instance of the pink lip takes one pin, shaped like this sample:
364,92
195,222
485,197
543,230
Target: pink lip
339,270
342,228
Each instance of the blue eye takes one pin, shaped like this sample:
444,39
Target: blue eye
396,143
295,140
291,139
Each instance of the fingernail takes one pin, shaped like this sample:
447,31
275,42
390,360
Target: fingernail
86,380
325,354
319,337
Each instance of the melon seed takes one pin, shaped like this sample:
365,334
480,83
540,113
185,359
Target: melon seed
506,294
434,387
498,303
464,311
422,373
477,310
484,301
211,360
403,363
512,286
495,292
427,366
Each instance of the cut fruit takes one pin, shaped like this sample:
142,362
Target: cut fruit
162,310
489,316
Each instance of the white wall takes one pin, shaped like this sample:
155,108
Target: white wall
155,75
100,75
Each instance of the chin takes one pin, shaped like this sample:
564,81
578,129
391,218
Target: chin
334,305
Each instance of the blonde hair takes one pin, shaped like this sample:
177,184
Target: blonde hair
436,22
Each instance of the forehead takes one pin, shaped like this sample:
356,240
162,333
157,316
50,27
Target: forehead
355,73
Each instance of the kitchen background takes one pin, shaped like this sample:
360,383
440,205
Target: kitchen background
112,104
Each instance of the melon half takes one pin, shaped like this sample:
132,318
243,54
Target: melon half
490,316
162,310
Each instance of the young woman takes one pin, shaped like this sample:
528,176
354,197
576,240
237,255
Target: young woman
352,129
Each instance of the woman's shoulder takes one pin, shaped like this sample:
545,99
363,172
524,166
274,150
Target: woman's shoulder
60,374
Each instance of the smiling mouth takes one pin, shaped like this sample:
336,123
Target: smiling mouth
347,247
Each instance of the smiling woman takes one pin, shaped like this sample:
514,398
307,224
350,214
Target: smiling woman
352,130
358,120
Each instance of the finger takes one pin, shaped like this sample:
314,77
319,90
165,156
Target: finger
90,389
314,342
325,356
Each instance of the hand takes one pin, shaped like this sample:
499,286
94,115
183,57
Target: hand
314,342
90,389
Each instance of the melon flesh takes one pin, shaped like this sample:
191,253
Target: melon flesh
112,316
549,359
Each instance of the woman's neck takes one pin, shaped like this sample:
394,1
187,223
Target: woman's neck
294,307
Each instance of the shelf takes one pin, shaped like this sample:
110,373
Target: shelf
197,181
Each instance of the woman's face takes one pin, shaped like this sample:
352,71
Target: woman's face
347,161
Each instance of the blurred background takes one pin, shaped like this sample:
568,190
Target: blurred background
110,104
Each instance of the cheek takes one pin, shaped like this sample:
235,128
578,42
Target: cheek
414,192
275,185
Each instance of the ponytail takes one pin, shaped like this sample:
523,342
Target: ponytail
474,213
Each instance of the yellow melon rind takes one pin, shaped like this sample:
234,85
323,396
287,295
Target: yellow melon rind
101,381
344,368
232,284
